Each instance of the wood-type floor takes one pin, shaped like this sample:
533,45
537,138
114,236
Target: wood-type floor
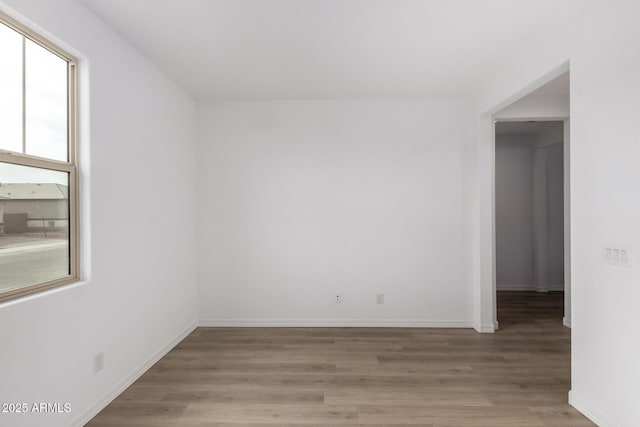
518,376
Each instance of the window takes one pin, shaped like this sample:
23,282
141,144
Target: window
38,177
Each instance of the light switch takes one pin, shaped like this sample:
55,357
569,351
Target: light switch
623,256
617,255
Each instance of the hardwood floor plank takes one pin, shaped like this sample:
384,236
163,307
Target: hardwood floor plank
247,396
269,414
451,416
393,397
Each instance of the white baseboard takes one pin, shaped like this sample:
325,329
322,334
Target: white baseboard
488,328
566,322
87,415
339,323
589,411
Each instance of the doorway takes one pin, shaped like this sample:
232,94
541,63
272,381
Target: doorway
529,219
532,198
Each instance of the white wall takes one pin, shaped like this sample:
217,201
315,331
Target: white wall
605,98
555,217
514,212
138,294
548,210
301,200
529,211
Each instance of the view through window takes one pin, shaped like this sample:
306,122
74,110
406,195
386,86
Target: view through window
38,185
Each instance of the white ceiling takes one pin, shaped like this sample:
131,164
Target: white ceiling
329,48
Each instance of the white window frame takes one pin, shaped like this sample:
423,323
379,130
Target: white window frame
69,166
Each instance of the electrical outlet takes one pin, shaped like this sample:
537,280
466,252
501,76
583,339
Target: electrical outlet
98,362
338,298
379,298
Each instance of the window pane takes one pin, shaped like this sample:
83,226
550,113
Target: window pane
34,226
46,103
10,89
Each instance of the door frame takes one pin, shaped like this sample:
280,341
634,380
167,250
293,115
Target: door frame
484,262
